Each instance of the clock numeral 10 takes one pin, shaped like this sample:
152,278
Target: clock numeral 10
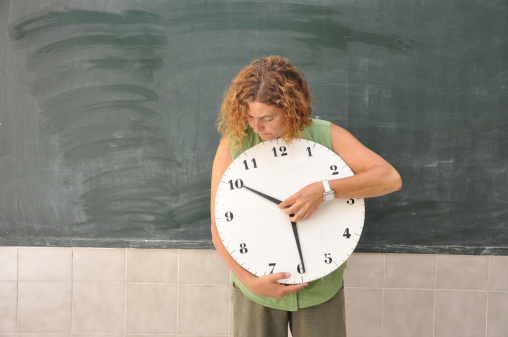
253,163
282,150
243,248
346,234
238,184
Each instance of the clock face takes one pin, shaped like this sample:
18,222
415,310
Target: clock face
259,235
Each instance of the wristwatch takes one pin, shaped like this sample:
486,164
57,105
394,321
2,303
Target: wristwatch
329,193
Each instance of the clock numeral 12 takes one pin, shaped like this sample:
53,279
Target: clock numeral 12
253,163
238,184
282,149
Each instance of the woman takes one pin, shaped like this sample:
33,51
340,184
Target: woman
270,99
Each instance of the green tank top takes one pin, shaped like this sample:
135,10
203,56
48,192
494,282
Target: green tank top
318,291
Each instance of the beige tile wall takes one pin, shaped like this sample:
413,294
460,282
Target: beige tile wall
85,292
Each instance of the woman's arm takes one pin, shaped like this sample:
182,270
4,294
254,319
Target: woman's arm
373,177
265,285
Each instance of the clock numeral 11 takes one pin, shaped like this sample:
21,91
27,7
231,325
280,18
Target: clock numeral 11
253,163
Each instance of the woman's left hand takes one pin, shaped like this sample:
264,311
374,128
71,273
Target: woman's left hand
303,203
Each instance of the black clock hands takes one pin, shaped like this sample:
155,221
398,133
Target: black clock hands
293,225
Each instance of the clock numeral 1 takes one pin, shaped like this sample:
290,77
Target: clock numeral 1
309,151
300,269
351,201
273,267
238,184
328,259
229,216
346,234
282,150
243,248
334,169
253,163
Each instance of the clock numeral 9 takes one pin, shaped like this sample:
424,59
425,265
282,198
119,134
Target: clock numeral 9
243,248
334,169
346,234
300,269
238,184
328,259
229,216
282,150
253,163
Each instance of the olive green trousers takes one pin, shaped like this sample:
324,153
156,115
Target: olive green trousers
254,320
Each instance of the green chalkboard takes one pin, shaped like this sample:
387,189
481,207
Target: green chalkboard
107,113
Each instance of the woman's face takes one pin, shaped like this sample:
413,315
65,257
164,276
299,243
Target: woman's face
266,120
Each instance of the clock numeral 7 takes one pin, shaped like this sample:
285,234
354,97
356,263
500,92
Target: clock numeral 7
273,267
238,184
282,150
253,163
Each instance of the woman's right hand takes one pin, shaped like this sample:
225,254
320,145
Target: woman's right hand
269,287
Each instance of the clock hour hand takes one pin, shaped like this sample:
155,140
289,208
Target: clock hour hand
272,199
297,239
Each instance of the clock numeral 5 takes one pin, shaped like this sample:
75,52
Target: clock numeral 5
282,150
346,234
229,216
238,184
253,163
328,259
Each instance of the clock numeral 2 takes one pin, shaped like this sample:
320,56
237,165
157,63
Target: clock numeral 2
346,234
253,163
328,259
282,150
334,169
238,184
243,248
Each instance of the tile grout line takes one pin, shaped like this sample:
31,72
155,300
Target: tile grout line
487,302
383,296
72,290
435,297
177,292
125,294
17,290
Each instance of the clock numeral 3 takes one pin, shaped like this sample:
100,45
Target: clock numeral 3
282,150
346,234
238,184
229,216
328,259
351,201
253,163
243,248
334,169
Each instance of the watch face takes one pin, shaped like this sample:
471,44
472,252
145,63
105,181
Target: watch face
260,236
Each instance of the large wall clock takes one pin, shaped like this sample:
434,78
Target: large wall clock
260,236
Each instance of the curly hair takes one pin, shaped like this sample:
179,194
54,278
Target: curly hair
274,81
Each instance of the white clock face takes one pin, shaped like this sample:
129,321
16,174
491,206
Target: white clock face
259,235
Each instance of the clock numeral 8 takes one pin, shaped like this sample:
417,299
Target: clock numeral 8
238,184
243,248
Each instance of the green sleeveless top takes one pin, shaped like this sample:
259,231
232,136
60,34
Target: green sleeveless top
318,291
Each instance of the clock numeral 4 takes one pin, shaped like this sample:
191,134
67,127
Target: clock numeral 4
243,248
346,234
328,259
253,161
238,183
282,151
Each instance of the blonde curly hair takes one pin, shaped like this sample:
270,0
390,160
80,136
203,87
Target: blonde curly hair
274,81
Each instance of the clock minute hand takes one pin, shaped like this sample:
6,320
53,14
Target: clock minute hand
272,199
297,239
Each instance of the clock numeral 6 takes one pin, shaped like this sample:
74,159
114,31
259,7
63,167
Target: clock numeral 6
328,259
334,169
243,248
238,184
300,269
282,150
346,234
229,216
